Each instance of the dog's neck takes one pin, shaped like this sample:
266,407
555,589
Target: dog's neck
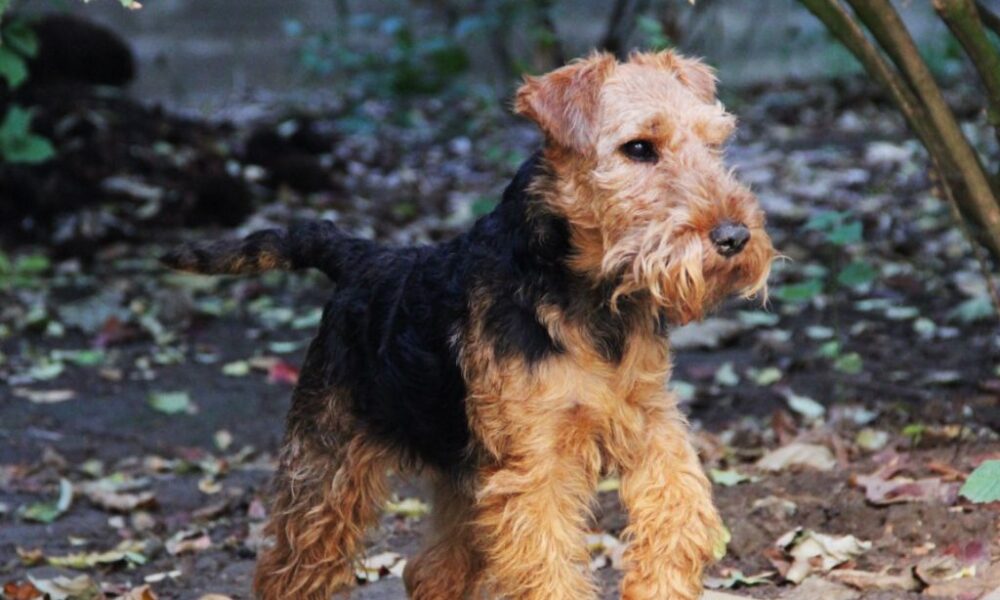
545,253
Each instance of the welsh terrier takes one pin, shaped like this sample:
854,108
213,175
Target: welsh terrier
520,361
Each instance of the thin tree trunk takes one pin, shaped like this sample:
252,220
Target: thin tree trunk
962,18
849,33
550,50
612,40
990,18
979,201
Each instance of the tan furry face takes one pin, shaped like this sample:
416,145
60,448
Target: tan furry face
636,147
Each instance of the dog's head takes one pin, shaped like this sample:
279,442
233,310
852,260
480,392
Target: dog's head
636,150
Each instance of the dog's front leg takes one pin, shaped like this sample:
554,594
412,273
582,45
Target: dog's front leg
532,511
674,528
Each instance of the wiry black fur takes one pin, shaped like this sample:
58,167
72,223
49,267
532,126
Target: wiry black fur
388,335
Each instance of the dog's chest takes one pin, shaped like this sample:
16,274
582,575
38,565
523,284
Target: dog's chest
582,384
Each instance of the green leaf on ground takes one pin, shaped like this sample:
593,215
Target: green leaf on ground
12,67
901,313
857,274
914,431
871,440
824,220
32,264
850,363
237,368
765,376
722,543
819,332
46,370
17,143
758,318
848,233
924,327
804,405
728,477
830,349
973,309
21,38
726,375
172,403
983,484
408,507
129,552
799,292
80,358
47,512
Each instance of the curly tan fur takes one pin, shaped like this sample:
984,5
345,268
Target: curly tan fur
325,502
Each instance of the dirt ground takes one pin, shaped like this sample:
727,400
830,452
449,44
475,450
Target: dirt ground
158,399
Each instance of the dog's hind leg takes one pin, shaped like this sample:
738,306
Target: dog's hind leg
323,508
330,488
448,566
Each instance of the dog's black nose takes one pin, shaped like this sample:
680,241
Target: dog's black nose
729,238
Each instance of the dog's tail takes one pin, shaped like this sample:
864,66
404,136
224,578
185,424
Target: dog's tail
309,244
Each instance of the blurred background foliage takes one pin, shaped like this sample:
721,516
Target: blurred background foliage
193,50
216,59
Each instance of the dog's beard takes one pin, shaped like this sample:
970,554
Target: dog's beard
682,275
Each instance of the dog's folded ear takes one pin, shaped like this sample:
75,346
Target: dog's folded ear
565,102
693,73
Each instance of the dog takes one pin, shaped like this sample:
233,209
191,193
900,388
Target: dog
518,362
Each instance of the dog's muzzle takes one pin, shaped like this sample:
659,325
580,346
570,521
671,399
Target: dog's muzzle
729,238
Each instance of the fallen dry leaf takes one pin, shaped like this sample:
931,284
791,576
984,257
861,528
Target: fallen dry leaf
713,595
282,372
81,587
994,595
815,588
705,335
605,551
127,551
735,577
798,454
20,590
158,577
968,583
868,581
30,557
184,542
413,508
44,396
813,552
109,494
883,487
143,592
380,566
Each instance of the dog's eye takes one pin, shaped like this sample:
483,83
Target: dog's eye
639,151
